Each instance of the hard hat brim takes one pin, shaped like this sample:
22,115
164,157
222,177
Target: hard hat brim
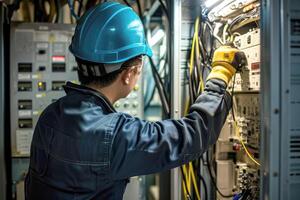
146,50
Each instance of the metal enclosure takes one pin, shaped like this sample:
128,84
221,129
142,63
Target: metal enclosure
2,110
280,100
175,84
279,96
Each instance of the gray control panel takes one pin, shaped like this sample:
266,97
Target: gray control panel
40,65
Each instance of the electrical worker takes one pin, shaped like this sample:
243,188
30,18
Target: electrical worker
83,149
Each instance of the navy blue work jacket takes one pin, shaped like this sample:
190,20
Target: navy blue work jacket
83,149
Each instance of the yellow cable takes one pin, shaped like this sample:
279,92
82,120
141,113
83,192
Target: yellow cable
188,170
194,181
243,144
191,63
189,179
193,48
186,189
201,85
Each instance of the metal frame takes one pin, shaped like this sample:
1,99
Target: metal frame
285,72
271,45
2,106
176,85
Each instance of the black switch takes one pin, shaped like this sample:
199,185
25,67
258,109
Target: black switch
42,68
42,51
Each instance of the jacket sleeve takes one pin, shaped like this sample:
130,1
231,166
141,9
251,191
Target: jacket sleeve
141,147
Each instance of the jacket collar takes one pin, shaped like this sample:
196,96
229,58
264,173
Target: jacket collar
69,87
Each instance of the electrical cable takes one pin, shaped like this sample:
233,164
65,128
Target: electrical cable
139,8
160,88
198,63
191,167
164,9
193,80
157,79
192,97
80,8
11,8
201,179
147,98
246,149
57,10
126,2
90,3
224,33
189,175
71,6
53,11
188,195
236,128
207,24
38,11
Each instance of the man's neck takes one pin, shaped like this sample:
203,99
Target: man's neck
109,92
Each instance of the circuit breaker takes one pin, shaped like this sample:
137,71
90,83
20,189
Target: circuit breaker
40,64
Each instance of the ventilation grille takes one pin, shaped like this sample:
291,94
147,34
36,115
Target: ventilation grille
295,156
295,27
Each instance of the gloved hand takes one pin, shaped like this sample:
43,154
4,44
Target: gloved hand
226,61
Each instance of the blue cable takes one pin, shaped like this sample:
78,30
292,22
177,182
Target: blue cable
72,9
237,196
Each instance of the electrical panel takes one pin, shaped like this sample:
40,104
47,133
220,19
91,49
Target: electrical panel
237,149
133,103
40,64
249,43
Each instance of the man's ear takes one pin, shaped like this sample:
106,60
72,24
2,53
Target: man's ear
126,76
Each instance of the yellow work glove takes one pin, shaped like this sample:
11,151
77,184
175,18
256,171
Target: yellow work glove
226,61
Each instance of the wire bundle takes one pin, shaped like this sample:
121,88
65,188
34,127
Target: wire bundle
200,59
196,87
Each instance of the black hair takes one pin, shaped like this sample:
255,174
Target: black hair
103,80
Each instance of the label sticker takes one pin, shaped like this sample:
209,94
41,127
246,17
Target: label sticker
40,95
35,112
23,141
42,45
24,113
24,76
36,76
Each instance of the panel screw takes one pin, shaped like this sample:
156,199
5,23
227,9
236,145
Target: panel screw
275,174
276,110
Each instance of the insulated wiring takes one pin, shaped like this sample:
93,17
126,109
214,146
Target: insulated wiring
196,86
236,128
72,9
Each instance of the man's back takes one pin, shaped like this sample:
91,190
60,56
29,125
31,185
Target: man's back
71,148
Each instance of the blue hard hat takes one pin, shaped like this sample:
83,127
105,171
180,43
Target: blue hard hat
109,33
